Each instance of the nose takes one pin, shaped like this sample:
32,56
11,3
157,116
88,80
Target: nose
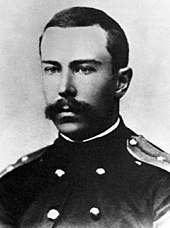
67,87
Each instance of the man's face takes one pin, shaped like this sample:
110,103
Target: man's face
77,74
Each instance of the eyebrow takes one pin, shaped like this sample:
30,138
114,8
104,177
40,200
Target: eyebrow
52,62
84,61
75,62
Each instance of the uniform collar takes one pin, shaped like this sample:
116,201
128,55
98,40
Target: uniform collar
106,132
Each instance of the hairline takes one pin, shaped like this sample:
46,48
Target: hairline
116,41
93,25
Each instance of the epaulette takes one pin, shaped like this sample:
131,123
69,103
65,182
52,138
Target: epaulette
148,153
24,160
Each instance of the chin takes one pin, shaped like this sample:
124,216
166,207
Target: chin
71,129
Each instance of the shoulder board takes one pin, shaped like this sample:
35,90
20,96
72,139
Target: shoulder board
148,153
24,160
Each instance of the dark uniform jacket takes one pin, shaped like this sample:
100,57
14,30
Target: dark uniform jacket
92,184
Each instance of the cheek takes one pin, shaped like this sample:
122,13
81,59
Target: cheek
97,91
50,87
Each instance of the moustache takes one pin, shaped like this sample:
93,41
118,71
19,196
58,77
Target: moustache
69,105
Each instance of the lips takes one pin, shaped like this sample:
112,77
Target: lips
66,112
66,109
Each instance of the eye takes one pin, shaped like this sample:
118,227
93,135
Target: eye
52,70
84,70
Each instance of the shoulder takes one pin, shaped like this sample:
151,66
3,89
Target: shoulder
21,181
148,153
26,159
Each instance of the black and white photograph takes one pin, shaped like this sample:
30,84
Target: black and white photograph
85,114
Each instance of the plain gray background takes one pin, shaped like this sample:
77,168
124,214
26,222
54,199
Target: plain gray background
146,106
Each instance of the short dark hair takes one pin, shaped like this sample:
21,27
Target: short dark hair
117,44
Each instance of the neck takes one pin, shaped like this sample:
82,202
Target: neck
96,126
107,131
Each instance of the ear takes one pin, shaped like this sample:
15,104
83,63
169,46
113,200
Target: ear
124,76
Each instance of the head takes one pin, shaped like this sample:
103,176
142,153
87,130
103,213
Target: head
84,55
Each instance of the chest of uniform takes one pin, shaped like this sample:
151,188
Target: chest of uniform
89,198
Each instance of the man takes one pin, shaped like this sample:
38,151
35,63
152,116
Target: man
87,178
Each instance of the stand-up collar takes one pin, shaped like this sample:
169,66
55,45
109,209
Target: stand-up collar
104,151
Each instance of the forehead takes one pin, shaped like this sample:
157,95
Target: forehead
74,43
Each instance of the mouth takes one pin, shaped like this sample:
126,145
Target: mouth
67,114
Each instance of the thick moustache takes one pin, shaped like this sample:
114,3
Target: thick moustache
66,109
68,106
65,106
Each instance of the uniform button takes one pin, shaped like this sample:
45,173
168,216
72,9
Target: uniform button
9,168
133,142
24,159
160,158
53,214
95,213
41,160
138,162
59,172
100,171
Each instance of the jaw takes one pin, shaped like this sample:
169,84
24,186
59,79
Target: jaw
75,130
79,127
79,131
